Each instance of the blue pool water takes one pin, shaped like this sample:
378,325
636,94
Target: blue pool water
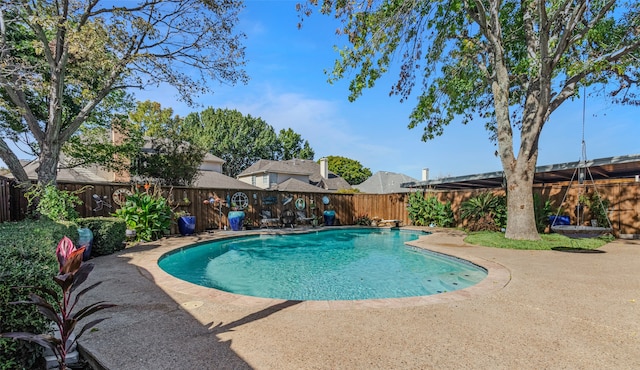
338,264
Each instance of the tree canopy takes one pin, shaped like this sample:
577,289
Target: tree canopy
60,60
239,140
349,169
242,140
293,146
170,155
508,64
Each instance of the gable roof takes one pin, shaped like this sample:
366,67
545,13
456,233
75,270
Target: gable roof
383,182
296,186
298,167
212,179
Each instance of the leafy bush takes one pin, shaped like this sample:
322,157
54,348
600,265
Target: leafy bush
148,213
27,257
485,212
598,207
542,211
363,220
56,204
108,234
429,211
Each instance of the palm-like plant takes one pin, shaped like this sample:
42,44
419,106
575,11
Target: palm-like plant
64,314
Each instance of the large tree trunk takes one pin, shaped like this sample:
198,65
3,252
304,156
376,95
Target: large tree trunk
521,223
12,162
48,169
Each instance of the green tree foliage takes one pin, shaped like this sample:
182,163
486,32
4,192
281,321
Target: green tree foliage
239,140
293,146
510,64
349,169
60,60
170,156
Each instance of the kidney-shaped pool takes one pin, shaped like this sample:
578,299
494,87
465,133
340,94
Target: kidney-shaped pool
331,264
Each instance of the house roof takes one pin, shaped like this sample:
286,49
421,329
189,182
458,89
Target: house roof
291,167
212,179
76,174
299,167
296,186
383,182
626,166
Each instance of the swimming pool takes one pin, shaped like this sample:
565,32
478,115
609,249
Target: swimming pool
335,264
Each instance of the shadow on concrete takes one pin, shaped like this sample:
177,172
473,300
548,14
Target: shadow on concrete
220,328
578,250
149,329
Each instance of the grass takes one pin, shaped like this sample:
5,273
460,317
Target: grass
549,241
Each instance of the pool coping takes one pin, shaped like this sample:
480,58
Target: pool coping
498,276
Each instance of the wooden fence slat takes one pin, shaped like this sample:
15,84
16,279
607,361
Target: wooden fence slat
624,195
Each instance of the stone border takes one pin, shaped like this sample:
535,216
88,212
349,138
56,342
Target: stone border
497,278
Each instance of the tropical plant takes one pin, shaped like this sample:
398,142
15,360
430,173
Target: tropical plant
542,210
363,220
53,203
510,64
429,211
71,275
486,211
599,207
147,212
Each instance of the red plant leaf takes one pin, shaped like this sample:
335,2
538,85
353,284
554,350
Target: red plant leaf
81,275
64,250
73,262
45,340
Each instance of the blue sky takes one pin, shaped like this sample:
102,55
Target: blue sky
288,88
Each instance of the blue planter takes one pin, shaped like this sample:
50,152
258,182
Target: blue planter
559,220
329,217
187,225
236,218
85,239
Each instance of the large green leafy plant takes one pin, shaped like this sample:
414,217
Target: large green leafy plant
485,211
429,211
148,213
51,202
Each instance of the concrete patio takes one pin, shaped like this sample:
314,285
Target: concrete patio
535,310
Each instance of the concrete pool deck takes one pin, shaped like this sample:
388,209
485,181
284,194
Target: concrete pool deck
536,309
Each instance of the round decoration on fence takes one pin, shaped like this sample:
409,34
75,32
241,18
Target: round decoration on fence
325,200
240,200
120,196
300,204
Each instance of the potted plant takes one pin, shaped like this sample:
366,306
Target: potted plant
186,222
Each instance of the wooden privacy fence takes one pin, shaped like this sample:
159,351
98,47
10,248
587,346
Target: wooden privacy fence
98,200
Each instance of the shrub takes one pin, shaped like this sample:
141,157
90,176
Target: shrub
429,211
148,213
485,211
27,257
56,204
363,220
108,234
